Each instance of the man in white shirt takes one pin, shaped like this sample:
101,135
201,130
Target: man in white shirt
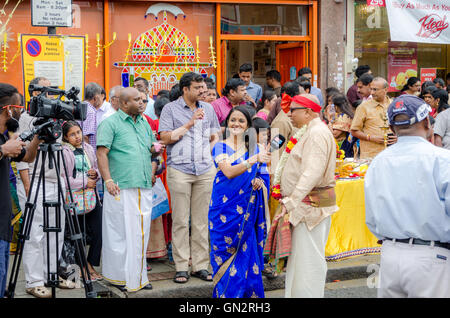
141,84
407,197
104,109
114,95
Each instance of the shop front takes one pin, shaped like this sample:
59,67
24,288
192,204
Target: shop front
161,40
396,61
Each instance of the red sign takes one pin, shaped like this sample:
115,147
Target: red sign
376,3
402,64
427,74
432,26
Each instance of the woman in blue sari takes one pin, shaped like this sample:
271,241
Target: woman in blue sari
238,208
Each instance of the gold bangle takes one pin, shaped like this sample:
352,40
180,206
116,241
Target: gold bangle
109,180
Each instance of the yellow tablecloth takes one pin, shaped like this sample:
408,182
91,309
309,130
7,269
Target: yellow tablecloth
349,235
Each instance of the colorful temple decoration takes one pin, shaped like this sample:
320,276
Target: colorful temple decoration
162,55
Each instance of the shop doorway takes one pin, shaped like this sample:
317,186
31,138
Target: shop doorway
285,57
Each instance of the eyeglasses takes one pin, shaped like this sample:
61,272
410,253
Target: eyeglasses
294,108
16,106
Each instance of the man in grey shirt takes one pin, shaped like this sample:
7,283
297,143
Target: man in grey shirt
189,128
442,129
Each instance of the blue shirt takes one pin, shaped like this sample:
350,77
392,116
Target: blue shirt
150,110
192,153
318,93
407,191
255,91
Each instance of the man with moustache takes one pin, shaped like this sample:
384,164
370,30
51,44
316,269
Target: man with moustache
369,119
124,149
189,128
307,194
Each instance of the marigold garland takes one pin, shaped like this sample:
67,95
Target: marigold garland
276,189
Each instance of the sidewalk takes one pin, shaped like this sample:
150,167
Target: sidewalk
163,272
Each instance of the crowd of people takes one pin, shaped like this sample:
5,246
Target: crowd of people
226,188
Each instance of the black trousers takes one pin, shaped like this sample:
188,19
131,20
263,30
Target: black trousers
91,225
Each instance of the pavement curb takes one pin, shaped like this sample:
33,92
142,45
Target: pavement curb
197,288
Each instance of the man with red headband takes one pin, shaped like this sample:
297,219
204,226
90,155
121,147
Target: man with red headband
306,183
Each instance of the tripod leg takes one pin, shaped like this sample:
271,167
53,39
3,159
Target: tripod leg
74,227
27,220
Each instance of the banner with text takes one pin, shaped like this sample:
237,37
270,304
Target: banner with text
425,21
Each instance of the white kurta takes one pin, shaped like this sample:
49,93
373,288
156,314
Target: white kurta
126,229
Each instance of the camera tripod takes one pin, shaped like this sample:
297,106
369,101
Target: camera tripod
53,151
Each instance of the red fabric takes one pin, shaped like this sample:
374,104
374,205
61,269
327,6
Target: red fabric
152,123
306,102
285,102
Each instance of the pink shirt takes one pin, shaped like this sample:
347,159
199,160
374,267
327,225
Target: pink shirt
222,107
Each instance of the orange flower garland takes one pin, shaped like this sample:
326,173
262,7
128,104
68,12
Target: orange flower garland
276,189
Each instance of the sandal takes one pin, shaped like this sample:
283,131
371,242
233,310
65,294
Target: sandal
39,292
182,274
203,275
66,284
269,271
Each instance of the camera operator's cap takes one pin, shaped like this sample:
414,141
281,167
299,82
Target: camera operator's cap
412,106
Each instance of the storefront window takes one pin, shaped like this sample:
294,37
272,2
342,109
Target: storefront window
264,19
395,61
165,40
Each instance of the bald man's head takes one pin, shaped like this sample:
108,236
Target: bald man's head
130,101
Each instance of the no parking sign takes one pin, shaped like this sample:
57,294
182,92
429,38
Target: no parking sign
33,47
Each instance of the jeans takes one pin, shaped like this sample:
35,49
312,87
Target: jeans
4,258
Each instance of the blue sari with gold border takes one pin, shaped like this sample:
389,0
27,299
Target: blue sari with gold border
237,227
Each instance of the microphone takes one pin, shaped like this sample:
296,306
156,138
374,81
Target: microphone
277,142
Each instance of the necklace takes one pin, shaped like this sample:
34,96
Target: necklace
276,189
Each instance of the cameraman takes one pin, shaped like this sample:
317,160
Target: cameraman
12,149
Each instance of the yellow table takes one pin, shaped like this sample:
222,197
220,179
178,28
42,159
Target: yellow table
349,235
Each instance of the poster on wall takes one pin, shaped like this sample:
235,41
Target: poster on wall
427,74
60,59
424,21
402,64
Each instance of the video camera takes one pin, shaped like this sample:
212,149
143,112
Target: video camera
53,111
56,108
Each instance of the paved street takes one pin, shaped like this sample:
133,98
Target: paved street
345,279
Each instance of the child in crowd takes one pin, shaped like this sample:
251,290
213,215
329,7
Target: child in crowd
83,174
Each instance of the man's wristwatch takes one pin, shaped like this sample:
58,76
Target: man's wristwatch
1,153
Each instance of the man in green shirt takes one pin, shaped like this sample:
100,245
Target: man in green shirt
124,149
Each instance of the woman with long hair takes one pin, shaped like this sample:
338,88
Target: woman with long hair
266,104
238,208
412,86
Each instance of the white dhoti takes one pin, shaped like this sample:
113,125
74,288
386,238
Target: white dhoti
126,229
307,268
35,249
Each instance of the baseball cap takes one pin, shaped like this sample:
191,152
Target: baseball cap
412,106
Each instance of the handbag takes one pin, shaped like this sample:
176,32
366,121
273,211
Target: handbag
84,204
85,199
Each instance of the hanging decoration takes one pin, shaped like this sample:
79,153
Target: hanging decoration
212,52
87,52
129,48
197,53
110,43
4,47
18,49
99,51
2,11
